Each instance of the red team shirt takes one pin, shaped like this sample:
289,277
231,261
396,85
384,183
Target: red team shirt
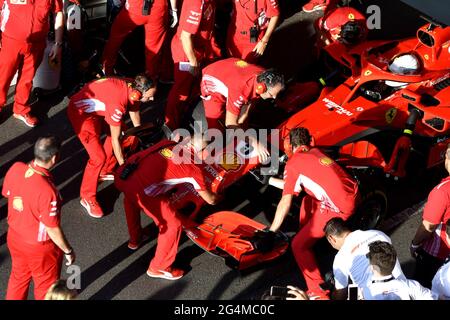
437,211
232,80
244,16
322,179
33,202
159,172
197,18
27,20
108,98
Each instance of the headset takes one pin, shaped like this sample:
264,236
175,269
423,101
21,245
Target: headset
260,88
135,95
266,77
352,32
140,85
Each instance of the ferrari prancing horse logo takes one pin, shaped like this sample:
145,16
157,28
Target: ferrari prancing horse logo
390,115
325,161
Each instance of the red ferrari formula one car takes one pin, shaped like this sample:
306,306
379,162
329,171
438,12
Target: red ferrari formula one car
390,117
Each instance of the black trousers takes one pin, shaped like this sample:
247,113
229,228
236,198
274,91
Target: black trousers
426,267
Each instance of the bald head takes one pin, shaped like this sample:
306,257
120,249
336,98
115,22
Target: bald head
46,149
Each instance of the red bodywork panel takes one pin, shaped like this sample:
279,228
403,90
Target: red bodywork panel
228,234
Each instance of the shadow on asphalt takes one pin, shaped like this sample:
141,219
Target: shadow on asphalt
112,259
169,292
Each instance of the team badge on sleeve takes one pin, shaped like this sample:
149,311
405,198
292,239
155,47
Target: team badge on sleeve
18,204
241,63
166,153
325,161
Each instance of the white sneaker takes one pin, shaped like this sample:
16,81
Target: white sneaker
92,207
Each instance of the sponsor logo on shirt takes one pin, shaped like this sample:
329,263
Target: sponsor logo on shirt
241,63
117,116
18,204
90,105
325,161
166,153
230,161
29,173
351,16
54,208
194,17
18,1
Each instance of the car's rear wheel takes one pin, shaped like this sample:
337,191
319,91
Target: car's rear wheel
370,211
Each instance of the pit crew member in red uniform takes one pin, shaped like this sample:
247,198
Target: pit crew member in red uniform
430,245
251,26
35,238
330,192
146,179
230,88
154,16
191,49
24,26
345,24
104,100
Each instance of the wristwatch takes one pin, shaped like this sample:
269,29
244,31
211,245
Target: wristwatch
68,253
414,246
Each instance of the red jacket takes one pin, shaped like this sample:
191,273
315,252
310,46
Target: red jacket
197,18
233,79
27,20
107,97
33,202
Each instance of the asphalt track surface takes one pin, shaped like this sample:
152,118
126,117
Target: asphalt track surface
111,271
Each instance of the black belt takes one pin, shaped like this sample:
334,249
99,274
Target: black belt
384,280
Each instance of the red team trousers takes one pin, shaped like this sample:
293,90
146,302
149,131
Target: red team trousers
179,93
214,111
38,262
164,216
14,55
312,221
155,26
101,157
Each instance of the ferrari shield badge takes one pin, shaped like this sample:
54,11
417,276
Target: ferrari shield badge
230,161
325,161
390,115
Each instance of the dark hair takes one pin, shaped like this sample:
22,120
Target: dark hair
352,32
335,227
271,78
299,136
142,83
46,147
383,255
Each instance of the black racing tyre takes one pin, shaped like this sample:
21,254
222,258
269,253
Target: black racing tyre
370,212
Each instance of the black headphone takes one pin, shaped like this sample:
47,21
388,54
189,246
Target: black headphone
140,85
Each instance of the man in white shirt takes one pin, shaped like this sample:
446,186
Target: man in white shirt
351,262
384,286
441,281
